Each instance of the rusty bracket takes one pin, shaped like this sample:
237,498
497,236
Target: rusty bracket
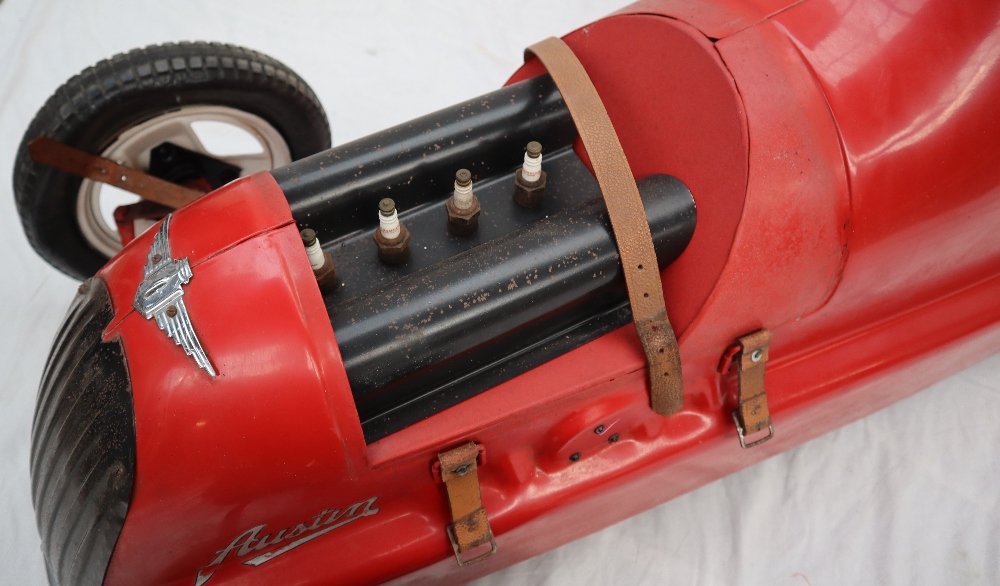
752,415
53,153
470,529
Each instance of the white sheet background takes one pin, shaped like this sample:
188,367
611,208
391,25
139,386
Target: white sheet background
907,496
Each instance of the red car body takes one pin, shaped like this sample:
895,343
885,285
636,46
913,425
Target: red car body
843,158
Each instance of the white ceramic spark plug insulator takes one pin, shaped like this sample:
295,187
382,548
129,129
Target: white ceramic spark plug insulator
388,225
463,196
531,170
316,258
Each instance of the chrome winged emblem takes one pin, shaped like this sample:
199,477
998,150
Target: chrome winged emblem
161,296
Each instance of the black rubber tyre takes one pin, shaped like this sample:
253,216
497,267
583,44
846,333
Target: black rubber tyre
93,108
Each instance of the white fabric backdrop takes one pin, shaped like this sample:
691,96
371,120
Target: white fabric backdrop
907,496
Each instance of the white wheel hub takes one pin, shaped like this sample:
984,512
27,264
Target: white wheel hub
230,135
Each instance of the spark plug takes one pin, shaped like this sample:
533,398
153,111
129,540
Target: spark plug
529,180
463,206
392,237
320,261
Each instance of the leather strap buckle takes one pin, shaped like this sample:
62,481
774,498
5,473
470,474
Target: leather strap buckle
742,434
458,553
470,528
752,415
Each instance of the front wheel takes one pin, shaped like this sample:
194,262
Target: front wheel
238,111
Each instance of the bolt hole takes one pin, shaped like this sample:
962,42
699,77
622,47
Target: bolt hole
599,430
613,438
640,267
575,457
645,295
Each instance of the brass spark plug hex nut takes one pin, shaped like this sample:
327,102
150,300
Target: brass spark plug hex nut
395,251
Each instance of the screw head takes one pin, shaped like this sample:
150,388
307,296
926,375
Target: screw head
575,457
157,258
462,470
171,310
599,430
386,207
613,438
756,356
308,236
463,177
534,149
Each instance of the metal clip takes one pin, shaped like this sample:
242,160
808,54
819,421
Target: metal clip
470,528
458,553
752,415
739,430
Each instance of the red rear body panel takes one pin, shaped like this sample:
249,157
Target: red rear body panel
843,160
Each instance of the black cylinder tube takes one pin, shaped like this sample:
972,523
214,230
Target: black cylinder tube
443,322
415,162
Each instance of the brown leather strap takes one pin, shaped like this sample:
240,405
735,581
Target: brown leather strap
55,154
470,528
752,414
628,220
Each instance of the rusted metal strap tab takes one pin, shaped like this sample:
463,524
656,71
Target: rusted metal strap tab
55,154
752,415
628,220
470,529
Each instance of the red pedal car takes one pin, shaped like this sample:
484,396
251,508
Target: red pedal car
680,240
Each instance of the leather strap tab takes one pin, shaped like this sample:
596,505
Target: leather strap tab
628,220
47,151
752,415
470,528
